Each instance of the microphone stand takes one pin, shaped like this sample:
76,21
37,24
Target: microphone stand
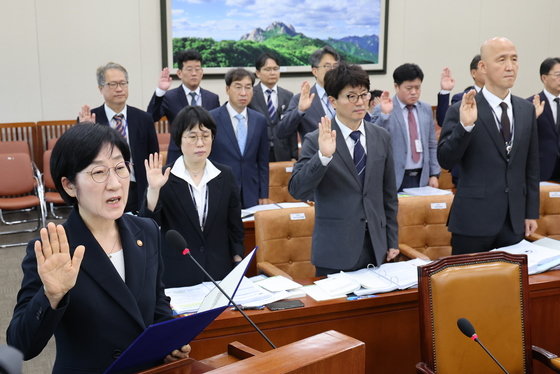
490,354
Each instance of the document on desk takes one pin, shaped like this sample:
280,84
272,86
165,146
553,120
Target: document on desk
278,283
425,191
539,258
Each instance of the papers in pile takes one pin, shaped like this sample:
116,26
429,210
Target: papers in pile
248,214
540,258
425,191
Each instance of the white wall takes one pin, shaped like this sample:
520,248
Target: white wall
50,49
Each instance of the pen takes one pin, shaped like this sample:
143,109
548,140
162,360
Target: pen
360,297
260,307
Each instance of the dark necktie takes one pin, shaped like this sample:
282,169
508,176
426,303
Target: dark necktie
360,156
192,94
270,104
119,125
413,133
557,100
504,122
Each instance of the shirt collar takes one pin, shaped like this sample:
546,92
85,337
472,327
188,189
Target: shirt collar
320,91
401,104
232,112
110,113
180,171
264,88
549,96
187,90
494,100
346,131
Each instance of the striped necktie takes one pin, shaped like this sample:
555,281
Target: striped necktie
360,156
270,104
119,124
193,95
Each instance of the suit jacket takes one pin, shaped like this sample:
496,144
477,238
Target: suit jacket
493,186
143,141
395,124
251,167
214,247
342,206
284,149
101,315
443,103
549,140
303,123
170,104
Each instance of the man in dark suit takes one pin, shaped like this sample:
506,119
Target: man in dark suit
168,102
134,124
308,107
348,166
548,121
492,138
272,101
241,140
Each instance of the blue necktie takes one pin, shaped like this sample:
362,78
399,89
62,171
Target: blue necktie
241,132
192,94
270,104
119,125
359,156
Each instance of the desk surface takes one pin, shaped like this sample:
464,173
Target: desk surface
388,324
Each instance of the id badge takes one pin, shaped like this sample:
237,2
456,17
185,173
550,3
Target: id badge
418,144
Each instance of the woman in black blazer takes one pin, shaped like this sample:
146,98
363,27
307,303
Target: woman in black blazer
95,281
197,198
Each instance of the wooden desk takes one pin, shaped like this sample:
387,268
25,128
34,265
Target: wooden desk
388,324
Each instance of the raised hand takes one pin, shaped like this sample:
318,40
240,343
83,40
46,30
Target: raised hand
165,80
305,97
447,82
153,165
539,105
327,137
57,270
86,115
386,103
468,111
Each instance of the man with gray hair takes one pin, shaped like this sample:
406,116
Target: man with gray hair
134,124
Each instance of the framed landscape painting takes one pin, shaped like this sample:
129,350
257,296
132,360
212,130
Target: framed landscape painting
233,33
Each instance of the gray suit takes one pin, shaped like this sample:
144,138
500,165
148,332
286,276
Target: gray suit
284,149
397,127
342,207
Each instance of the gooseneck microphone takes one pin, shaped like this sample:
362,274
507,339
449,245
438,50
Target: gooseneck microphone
176,242
467,328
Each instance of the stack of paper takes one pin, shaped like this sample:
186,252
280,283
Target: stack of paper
425,191
248,214
539,258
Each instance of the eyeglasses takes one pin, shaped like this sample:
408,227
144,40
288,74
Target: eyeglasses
353,98
238,87
114,85
268,70
191,70
555,75
100,173
193,139
328,66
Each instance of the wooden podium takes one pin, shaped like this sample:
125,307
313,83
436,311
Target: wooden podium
325,353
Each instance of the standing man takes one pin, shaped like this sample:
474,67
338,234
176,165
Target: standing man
308,107
348,166
166,102
134,124
492,137
411,125
548,123
272,101
241,139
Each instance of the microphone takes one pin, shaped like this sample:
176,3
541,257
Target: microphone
467,329
176,241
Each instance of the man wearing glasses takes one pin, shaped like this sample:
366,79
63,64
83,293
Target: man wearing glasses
411,125
548,122
308,107
347,166
168,102
134,124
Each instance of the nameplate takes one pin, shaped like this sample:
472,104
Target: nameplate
554,194
289,169
297,216
439,205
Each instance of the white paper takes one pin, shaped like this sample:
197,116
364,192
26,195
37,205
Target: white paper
539,258
425,191
278,283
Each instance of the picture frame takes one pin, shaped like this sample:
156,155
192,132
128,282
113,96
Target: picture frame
234,33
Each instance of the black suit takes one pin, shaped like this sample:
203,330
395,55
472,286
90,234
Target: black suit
495,189
283,149
214,247
143,141
170,104
549,142
101,315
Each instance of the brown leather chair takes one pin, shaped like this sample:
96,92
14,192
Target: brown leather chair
445,181
284,240
279,176
490,289
549,215
422,224
52,196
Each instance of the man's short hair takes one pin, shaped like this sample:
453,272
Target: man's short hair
261,60
110,65
474,62
188,118
548,64
315,58
187,55
345,75
237,74
407,72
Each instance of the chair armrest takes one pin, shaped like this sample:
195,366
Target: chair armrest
271,270
549,359
410,252
534,237
422,368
